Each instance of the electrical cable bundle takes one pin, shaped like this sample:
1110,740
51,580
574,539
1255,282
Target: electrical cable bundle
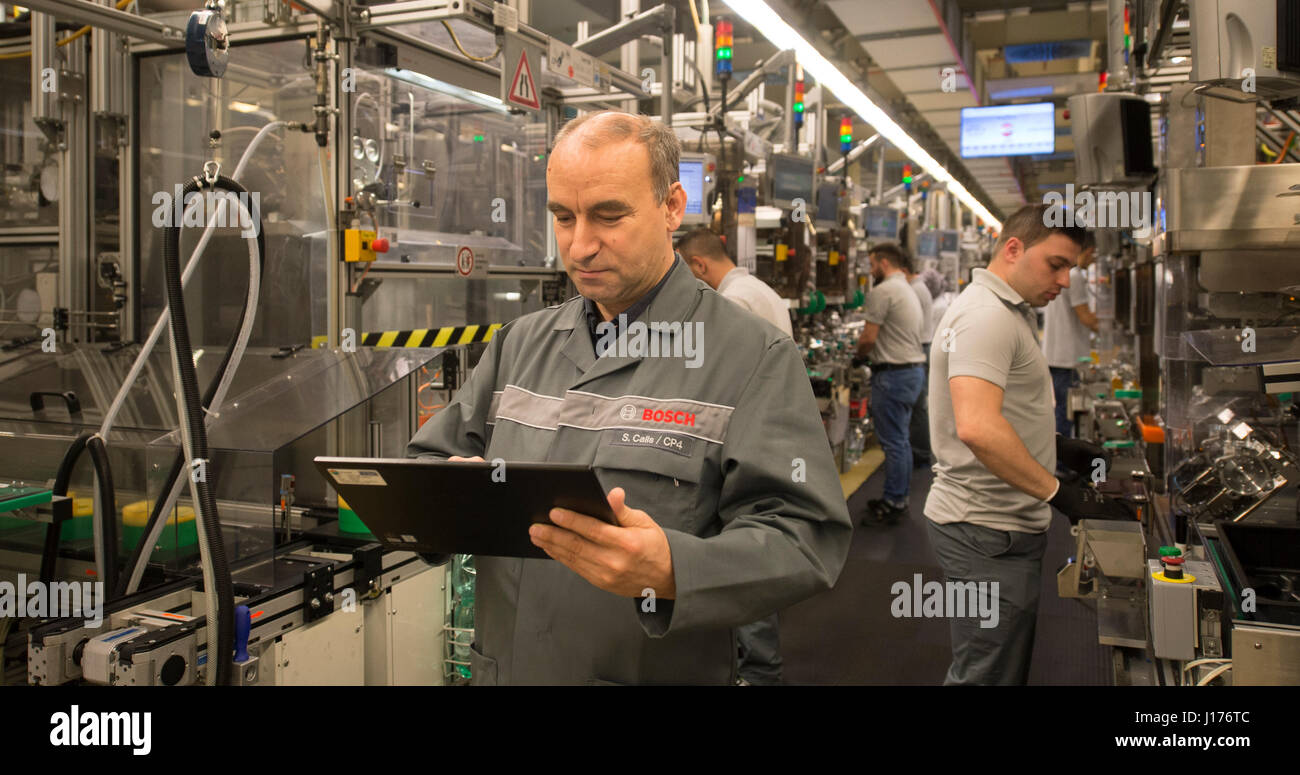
216,567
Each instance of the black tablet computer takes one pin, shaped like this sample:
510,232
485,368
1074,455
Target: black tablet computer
440,507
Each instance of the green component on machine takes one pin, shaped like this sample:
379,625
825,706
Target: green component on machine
13,497
349,522
1170,551
1128,393
816,303
1125,444
859,298
171,538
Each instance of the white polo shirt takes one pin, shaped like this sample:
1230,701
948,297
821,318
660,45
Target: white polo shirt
1065,337
740,287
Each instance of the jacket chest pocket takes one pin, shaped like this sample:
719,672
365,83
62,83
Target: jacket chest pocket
661,472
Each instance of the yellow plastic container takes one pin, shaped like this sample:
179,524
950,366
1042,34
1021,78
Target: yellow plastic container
181,528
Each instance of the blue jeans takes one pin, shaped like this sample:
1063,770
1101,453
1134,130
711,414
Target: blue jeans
1062,381
893,393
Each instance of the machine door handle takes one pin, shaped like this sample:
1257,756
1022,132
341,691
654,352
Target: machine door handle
69,400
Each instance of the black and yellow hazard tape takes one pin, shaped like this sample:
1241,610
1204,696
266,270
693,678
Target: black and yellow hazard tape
422,337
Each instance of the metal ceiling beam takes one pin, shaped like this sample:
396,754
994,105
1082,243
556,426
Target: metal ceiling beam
105,17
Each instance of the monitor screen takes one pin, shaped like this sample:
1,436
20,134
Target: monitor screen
1008,130
792,178
927,245
691,174
828,203
882,223
948,241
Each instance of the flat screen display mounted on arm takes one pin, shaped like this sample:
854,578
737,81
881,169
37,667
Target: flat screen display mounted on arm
1008,130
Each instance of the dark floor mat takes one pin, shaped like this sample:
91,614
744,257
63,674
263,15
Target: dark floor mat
849,635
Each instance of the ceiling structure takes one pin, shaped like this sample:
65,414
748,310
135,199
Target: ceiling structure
999,52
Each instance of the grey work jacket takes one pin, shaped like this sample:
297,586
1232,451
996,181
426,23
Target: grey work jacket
730,458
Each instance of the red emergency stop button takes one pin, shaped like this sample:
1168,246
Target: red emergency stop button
379,245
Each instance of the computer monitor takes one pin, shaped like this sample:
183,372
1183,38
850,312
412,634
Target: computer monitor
1008,130
949,240
927,244
828,205
791,178
696,171
881,223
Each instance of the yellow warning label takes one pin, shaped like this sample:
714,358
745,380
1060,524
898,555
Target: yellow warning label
422,337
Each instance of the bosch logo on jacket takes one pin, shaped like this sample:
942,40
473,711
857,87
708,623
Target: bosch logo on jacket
678,418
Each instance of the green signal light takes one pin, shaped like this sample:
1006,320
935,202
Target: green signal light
798,107
724,53
478,138
740,179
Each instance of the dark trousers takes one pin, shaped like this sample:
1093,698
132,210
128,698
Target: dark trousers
1062,381
992,655
760,651
919,427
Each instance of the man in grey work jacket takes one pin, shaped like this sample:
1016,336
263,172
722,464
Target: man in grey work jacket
714,458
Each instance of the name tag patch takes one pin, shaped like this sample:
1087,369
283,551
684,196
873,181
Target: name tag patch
673,442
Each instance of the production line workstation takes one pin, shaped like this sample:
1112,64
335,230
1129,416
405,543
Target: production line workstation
1194,379
399,166
377,173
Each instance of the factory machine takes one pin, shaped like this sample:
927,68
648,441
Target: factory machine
1194,383
354,197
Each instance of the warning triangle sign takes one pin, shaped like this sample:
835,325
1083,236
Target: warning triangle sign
523,90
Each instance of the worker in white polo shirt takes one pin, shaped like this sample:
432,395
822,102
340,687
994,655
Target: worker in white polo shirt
996,449
919,428
1067,319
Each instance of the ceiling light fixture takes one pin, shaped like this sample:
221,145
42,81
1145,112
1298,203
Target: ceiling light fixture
771,26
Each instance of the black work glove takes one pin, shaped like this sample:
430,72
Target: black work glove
1079,501
1080,456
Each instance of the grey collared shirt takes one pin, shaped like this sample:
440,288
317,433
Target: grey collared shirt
894,307
989,332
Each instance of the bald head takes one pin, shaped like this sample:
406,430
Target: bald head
609,127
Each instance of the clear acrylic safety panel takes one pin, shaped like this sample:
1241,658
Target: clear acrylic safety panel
30,192
281,424
178,111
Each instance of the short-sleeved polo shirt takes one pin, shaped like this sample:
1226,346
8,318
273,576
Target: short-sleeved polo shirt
989,332
893,306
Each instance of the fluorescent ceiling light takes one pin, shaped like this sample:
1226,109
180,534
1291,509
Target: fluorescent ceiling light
244,107
783,36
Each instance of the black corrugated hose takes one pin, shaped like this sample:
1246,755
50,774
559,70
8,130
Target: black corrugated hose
221,654
178,462
107,508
